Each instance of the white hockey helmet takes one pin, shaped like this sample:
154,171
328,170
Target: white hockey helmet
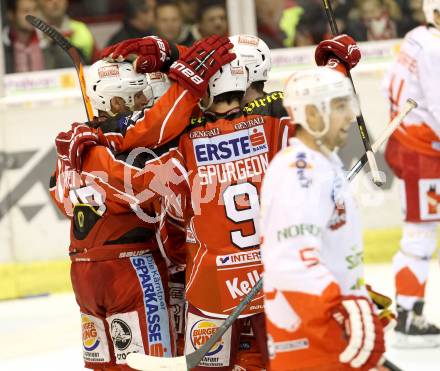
255,55
318,87
429,6
158,84
230,77
106,80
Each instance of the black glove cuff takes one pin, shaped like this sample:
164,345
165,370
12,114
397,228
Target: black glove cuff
174,56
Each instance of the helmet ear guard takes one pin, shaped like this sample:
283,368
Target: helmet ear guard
157,85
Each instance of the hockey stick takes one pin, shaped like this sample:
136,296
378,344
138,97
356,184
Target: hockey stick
64,44
375,173
150,363
409,106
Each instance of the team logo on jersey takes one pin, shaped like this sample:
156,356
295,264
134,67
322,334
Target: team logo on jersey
89,334
108,71
201,331
338,218
238,258
433,200
230,147
121,334
301,165
429,199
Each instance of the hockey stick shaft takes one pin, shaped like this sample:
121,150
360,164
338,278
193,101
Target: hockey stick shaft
391,366
194,358
64,44
376,175
409,106
145,362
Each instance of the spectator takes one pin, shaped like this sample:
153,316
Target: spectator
289,21
138,22
373,22
20,41
413,16
342,9
312,26
211,19
169,23
268,22
54,12
189,9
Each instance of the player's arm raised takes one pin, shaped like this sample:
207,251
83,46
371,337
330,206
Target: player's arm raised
190,73
340,53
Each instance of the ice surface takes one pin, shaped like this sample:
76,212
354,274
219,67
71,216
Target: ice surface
43,333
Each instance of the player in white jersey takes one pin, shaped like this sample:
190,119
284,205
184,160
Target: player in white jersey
319,314
413,153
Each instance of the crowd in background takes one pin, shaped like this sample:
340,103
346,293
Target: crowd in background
281,23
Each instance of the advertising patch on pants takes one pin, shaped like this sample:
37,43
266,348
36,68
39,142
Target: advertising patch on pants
198,331
126,335
156,311
429,196
177,304
95,345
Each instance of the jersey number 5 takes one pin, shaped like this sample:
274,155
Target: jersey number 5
239,214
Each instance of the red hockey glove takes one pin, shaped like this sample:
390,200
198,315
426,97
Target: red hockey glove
343,47
200,62
383,304
364,332
148,54
71,145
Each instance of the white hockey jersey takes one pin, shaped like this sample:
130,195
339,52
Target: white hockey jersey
311,232
416,75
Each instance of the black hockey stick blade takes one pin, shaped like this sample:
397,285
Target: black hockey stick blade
64,44
49,31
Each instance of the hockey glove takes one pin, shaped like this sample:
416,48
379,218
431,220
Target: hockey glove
363,330
383,304
72,144
343,47
148,54
200,62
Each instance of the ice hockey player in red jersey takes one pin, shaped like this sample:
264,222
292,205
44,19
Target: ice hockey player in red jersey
319,314
413,153
126,309
118,275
